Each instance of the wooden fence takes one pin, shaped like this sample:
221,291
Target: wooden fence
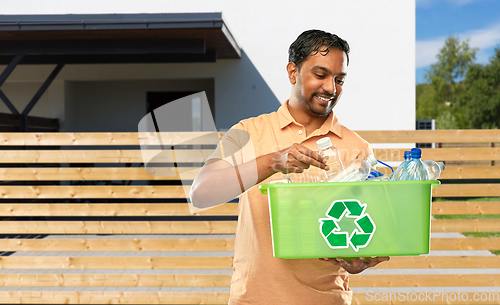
83,222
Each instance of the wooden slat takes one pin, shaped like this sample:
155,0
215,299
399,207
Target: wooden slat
426,262
195,227
111,209
465,207
134,173
424,280
101,156
87,174
88,297
467,190
461,154
115,280
472,243
192,244
144,244
93,297
174,191
201,155
99,173
431,136
108,138
94,191
471,172
465,225
132,138
117,227
442,154
223,280
129,263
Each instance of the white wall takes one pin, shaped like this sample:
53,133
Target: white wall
380,89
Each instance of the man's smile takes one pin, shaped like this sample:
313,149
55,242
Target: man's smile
325,100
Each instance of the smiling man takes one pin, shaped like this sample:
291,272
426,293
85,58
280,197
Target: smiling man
265,148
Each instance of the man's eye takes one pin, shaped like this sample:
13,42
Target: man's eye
319,75
340,81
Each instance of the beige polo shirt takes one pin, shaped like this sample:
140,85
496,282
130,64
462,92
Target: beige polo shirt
258,277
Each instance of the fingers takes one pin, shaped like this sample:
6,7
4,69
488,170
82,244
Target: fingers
372,262
307,157
297,158
355,265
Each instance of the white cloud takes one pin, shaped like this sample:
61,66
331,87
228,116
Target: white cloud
426,50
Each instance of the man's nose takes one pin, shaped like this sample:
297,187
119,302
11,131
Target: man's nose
330,86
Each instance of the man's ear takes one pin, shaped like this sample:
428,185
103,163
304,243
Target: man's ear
292,70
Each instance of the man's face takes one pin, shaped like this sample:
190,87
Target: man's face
319,82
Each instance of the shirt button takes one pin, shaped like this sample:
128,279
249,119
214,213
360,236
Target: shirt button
300,131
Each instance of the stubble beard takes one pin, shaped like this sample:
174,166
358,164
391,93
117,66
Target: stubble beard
308,104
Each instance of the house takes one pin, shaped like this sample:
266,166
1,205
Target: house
97,68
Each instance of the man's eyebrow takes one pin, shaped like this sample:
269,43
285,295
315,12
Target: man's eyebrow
327,70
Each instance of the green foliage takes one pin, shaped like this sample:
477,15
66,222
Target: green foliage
427,106
453,60
459,93
481,100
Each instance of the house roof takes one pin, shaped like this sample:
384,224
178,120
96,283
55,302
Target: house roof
116,38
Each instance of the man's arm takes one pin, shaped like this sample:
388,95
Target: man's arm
219,181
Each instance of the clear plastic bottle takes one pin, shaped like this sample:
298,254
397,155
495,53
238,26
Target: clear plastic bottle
331,154
397,173
433,168
356,170
415,169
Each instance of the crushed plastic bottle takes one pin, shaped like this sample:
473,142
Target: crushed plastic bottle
356,170
331,154
434,168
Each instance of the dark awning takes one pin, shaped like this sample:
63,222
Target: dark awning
116,38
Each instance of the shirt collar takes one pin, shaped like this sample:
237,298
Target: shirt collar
331,124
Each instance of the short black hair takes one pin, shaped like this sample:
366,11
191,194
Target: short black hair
313,41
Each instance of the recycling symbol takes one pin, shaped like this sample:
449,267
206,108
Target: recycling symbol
333,234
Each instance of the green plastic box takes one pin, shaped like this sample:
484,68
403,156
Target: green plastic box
350,219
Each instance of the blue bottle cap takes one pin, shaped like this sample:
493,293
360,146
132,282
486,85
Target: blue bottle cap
407,154
416,153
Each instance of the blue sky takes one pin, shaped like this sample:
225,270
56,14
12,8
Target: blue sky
476,20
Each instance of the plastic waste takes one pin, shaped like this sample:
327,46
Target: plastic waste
414,169
331,154
374,174
434,168
397,173
387,177
356,170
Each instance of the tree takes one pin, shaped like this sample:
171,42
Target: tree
453,60
438,99
427,106
480,103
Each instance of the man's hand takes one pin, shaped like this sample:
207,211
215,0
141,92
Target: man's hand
296,158
356,265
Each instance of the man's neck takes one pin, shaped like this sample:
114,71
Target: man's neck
309,121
